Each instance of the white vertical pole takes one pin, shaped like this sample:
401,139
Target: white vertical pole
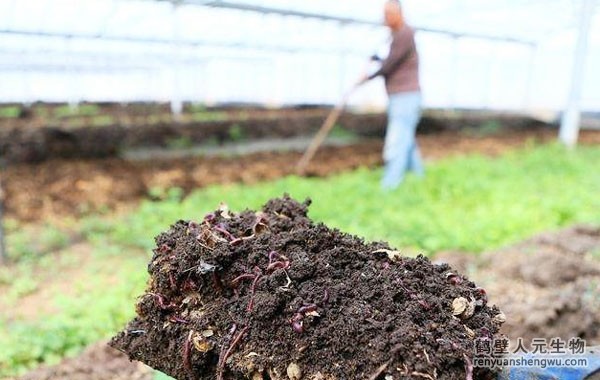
454,75
489,78
74,83
176,98
569,128
533,50
3,254
342,56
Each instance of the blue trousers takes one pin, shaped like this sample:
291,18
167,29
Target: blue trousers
400,152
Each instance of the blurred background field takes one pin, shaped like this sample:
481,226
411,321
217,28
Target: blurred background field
118,118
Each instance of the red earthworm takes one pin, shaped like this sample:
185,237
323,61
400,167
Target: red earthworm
307,309
272,255
160,299
217,281
245,276
221,229
252,291
483,295
176,319
209,217
468,368
164,248
187,351
453,278
223,359
278,264
297,327
172,280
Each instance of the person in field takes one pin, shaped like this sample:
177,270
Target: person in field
401,73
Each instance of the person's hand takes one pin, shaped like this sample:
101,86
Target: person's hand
363,79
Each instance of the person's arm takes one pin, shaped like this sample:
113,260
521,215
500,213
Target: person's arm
402,47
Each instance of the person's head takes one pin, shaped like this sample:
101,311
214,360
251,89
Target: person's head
393,15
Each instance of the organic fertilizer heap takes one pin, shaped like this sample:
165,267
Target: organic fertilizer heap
272,295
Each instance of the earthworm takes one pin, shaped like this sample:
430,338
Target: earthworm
174,318
172,280
252,291
453,278
160,299
187,351
468,368
221,228
307,308
223,359
164,248
272,255
296,320
217,281
297,326
483,294
278,264
246,276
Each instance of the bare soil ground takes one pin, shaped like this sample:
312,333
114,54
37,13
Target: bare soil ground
97,362
547,286
59,188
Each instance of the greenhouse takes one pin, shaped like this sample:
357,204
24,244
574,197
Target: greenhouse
259,189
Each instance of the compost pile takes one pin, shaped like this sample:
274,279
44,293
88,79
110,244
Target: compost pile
273,295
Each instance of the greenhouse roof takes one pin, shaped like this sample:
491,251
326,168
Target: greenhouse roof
136,36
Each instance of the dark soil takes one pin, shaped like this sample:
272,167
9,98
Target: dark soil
271,295
28,145
548,285
59,188
41,136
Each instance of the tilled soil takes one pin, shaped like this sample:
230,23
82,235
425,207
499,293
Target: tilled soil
59,188
548,286
272,295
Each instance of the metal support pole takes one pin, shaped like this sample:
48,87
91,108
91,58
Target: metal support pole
74,84
342,56
454,65
569,128
3,254
489,77
176,97
533,51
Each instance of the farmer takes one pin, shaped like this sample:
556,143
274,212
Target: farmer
401,73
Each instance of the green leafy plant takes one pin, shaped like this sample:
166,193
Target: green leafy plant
340,132
30,243
76,110
10,112
209,116
180,142
102,120
235,132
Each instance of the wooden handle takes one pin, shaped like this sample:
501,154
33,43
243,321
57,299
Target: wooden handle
322,134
